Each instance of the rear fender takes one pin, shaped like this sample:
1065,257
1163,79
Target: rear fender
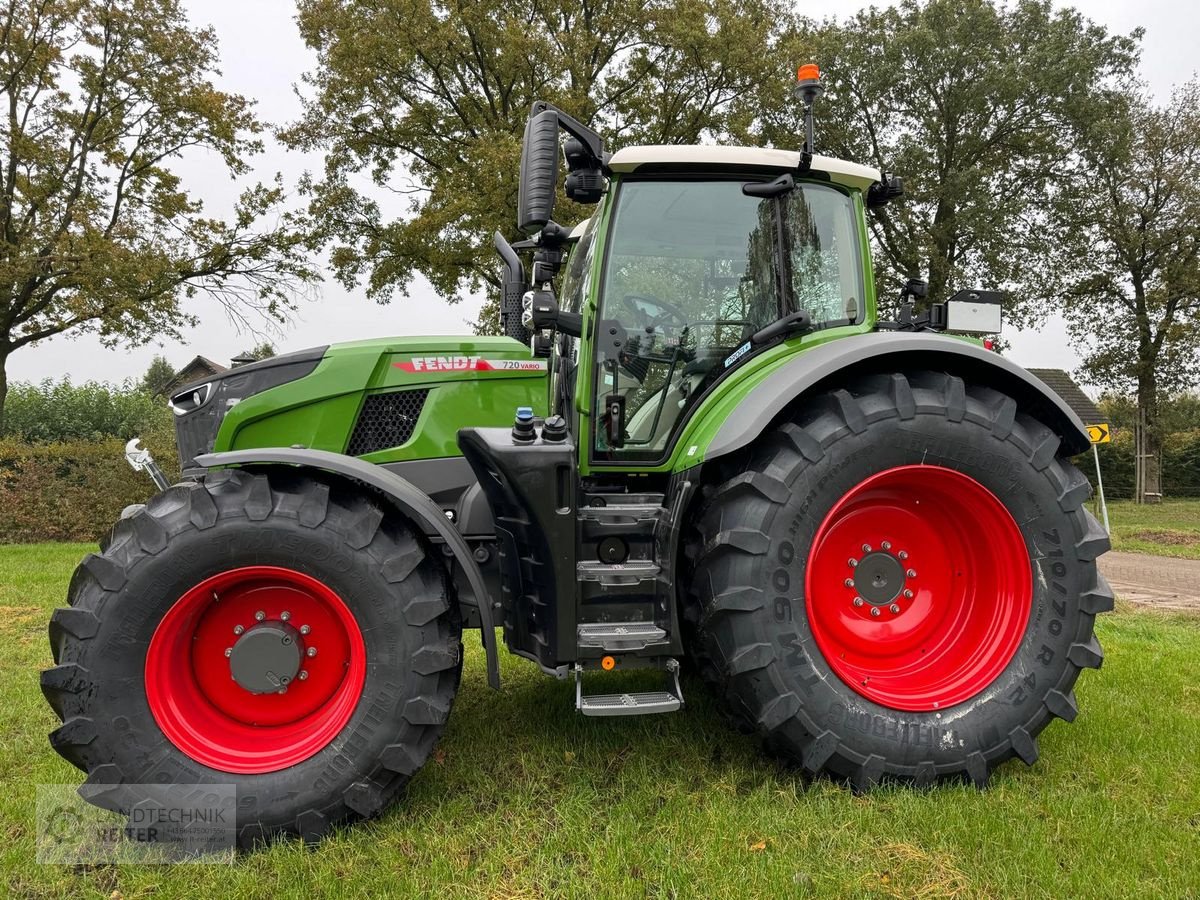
829,364
407,499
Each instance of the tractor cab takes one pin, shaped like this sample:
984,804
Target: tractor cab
695,269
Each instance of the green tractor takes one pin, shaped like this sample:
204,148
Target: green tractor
695,444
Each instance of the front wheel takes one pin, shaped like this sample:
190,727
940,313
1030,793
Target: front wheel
272,632
901,583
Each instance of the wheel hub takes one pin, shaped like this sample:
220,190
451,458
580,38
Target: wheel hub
879,578
267,657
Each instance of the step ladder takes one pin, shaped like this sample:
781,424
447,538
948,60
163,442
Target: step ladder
638,704
620,637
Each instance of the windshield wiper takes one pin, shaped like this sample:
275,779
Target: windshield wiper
789,324
797,321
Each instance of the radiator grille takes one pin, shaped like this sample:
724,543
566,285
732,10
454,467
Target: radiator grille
386,420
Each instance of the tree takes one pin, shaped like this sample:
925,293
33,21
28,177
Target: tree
262,350
977,106
158,377
97,233
1130,265
430,100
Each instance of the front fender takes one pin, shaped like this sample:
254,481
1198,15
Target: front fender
408,499
735,422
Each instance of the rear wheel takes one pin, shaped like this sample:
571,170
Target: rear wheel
902,583
273,632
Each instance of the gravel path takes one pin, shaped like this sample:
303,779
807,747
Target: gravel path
1159,581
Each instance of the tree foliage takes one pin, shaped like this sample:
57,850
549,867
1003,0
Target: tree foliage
977,106
159,374
62,411
430,100
1132,262
1129,268
262,350
97,98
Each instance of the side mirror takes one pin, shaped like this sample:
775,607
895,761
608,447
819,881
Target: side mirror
541,311
539,170
915,288
883,192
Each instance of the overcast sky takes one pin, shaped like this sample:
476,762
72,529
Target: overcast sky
263,57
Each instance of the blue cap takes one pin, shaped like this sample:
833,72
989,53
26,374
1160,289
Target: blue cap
525,413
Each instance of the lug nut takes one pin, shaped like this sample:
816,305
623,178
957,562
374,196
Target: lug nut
894,608
303,675
285,615
886,545
304,629
852,563
903,554
866,548
228,651
858,601
908,595
238,629
849,582
875,610
283,690
911,573
312,651
259,616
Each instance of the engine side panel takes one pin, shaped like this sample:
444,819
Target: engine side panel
461,382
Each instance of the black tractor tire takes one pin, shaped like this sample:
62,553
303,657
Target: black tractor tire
391,588
748,588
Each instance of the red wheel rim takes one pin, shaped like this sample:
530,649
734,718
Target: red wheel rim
919,588
216,720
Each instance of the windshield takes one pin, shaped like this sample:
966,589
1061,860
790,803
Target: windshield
694,269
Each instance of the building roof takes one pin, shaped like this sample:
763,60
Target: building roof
1072,394
199,368
630,159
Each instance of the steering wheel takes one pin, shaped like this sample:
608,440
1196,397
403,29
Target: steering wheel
652,312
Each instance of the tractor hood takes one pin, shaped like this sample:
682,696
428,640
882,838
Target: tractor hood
386,399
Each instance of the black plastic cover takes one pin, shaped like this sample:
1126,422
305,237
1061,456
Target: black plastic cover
196,430
531,489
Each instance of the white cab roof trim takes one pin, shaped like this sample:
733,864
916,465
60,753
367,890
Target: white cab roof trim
840,171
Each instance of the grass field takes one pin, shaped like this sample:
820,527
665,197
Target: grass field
525,799
1171,528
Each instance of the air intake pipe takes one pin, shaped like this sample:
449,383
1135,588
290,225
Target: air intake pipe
512,289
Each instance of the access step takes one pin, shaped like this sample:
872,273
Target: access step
632,572
639,704
620,637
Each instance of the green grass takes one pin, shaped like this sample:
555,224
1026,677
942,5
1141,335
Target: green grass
526,799
1170,528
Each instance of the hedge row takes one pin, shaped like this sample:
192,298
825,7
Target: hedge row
72,491
1180,465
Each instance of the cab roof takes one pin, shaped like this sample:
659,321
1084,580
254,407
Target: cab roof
665,157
